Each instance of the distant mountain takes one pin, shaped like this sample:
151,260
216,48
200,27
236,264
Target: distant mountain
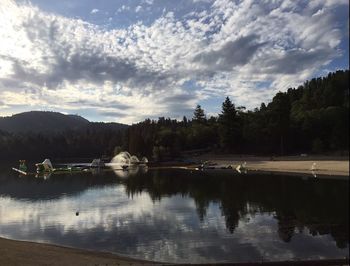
48,122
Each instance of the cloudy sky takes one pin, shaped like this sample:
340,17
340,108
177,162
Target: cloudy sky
124,61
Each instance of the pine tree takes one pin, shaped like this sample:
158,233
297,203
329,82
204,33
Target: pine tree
198,115
228,127
184,121
229,111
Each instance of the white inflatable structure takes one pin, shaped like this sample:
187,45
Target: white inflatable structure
124,164
124,159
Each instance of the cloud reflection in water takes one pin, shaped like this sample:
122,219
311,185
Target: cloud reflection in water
151,216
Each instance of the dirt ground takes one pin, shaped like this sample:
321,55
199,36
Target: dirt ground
22,253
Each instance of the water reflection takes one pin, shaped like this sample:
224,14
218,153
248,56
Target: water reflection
180,216
319,205
132,170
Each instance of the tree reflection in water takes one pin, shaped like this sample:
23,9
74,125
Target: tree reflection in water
315,206
319,205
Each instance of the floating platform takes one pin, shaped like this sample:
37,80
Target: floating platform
19,171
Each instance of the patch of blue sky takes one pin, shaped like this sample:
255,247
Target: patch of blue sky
342,62
90,113
191,85
8,110
263,85
119,13
92,11
338,63
212,106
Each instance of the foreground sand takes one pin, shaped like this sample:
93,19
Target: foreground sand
18,253
293,164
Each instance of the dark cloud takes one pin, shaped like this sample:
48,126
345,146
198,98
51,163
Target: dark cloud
94,67
180,98
294,61
233,53
113,114
109,104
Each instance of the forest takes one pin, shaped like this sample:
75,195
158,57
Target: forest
312,118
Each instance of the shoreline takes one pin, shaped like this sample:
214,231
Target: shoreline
22,252
326,166
18,253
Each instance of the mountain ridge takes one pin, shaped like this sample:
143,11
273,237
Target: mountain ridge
48,122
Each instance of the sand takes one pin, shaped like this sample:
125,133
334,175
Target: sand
19,253
331,166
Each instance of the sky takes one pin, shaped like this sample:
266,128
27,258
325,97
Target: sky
124,61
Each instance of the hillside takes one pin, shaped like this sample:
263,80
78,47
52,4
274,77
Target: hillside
37,121
47,122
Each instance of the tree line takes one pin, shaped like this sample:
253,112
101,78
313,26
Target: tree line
312,118
95,140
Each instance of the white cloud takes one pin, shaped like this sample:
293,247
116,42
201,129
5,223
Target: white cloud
123,8
138,9
148,2
94,11
236,49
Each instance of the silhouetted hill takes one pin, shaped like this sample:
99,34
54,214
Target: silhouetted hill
45,122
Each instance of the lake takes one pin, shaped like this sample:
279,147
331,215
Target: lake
180,215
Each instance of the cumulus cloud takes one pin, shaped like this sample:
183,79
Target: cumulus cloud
232,48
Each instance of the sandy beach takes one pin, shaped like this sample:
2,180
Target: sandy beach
324,165
20,253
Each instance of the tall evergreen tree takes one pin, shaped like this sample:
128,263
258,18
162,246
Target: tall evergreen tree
184,120
228,125
198,115
279,112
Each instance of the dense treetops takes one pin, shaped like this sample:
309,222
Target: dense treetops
310,118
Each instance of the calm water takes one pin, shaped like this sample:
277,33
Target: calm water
179,216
